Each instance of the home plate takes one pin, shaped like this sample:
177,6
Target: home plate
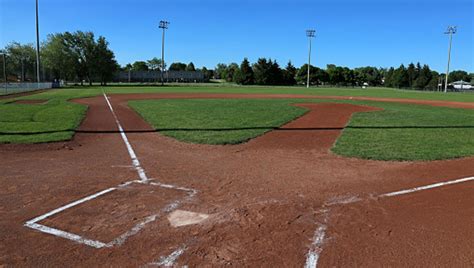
179,218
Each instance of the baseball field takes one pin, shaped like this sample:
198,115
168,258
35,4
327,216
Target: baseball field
233,175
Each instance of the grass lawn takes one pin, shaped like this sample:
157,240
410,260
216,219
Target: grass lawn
69,93
55,120
408,132
400,132
216,121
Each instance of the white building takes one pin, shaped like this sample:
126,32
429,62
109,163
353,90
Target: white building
461,85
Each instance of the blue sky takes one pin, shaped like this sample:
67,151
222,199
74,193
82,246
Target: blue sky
206,32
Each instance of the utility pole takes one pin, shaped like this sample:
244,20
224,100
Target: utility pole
451,30
164,26
310,34
37,47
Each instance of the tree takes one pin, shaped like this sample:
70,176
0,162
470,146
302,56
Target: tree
336,74
208,74
261,71
423,78
154,64
81,49
177,66
190,67
220,71
231,71
140,66
244,75
433,83
348,77
458,76
317,76
400,77
388,77
411,73
289,74
370,75
79,56
104,62
275,74
21,61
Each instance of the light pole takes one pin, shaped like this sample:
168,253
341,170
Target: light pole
451,30
37,47
5,71
310,34
164,26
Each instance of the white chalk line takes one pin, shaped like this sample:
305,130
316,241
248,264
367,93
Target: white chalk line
426,187
95,243
134,230
168,261
131,152
316,247
70,205
67,235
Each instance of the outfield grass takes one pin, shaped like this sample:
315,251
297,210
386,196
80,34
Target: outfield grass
70,93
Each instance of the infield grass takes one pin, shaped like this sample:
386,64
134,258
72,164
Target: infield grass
226,121
400,132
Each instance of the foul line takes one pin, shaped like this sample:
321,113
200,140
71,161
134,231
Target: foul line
431,186
131,152
316,246
33,223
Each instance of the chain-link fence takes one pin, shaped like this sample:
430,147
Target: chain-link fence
13,88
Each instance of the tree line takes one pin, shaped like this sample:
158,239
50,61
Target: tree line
80,56
268,72
76,56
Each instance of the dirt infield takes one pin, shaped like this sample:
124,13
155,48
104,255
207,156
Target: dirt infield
264,198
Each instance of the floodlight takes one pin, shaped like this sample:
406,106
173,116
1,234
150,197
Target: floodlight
451,30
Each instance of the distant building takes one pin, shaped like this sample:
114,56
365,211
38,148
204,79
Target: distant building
155,76
461,85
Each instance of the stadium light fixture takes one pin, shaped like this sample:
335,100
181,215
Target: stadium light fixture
37,46
310,34
451,30
164,26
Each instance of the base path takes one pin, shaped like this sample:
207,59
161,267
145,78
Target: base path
263,199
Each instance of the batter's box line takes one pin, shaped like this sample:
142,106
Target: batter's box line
33,223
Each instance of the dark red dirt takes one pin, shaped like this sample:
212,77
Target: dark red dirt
264,197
